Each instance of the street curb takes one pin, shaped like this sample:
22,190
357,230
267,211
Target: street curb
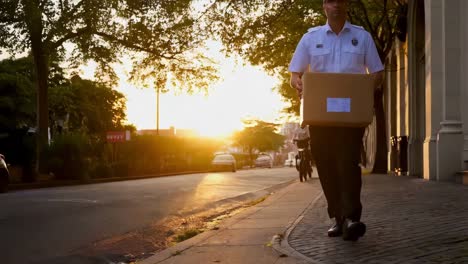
178,248
51,184
281,244
189,243
246,197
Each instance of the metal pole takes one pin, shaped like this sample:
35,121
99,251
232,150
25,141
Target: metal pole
157,109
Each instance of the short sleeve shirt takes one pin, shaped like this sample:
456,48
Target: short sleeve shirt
351,51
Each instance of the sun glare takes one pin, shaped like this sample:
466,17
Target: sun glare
244,91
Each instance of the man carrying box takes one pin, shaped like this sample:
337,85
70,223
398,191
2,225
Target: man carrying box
338,47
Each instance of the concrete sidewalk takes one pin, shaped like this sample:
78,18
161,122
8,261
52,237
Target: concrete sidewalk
247,236
409,220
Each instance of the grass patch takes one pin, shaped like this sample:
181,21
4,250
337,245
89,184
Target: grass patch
196,224
176,253
187,234
255,202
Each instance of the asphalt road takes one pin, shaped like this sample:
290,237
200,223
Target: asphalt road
40,225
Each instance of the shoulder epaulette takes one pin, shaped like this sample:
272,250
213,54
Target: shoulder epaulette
313,29
358,27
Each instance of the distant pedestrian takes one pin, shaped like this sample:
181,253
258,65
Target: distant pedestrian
338,47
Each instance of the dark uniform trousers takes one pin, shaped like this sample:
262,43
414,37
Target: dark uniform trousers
336,151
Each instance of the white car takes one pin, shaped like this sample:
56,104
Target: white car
4,174
224,162
264,161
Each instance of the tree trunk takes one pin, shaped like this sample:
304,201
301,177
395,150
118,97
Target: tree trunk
250,157
42,105
40,56
380,165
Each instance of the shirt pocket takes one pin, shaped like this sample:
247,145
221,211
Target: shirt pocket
354,57
319,59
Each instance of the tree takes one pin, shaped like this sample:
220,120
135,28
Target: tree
258,136
266,33
91,107
161,37
16,95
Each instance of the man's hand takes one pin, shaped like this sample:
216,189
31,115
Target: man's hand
296,82
378,80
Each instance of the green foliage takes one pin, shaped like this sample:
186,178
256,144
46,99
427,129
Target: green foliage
77,156
17,102
258,136
381,19
68,156
91,107
149,154
101,170
86,106
161,37
120,169
187,234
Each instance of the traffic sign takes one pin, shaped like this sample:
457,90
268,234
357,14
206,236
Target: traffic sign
115,136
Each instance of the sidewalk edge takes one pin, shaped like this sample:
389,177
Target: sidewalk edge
66,183
281,244
189,243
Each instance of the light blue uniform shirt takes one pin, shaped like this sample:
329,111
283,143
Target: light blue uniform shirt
352,51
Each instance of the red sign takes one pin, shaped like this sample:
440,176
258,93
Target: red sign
115,136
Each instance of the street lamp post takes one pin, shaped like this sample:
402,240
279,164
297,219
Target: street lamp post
157,110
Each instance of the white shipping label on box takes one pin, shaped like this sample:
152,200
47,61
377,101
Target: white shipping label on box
338,105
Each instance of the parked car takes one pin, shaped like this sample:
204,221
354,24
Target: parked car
4,174
224,162
264,160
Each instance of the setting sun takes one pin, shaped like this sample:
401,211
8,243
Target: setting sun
243,92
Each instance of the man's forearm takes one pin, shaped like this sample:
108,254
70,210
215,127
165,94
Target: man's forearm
296,82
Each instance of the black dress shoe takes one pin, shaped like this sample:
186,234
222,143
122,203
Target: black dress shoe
335,231
353,230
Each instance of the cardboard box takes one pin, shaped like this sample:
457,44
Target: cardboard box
337,99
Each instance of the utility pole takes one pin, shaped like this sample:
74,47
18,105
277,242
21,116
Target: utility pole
157,110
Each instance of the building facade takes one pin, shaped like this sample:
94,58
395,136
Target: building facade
427,91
